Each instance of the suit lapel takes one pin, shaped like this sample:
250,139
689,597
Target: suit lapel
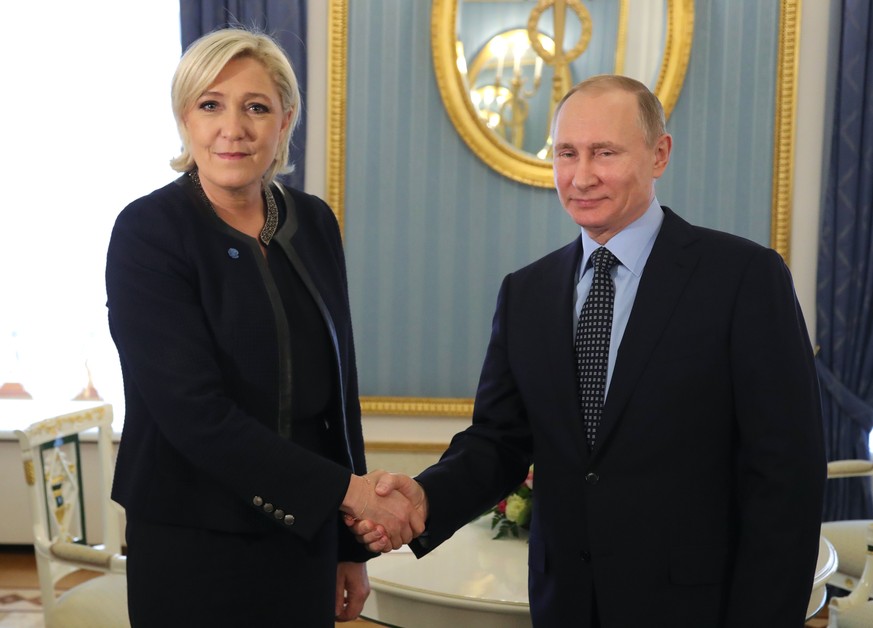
666,274
554,329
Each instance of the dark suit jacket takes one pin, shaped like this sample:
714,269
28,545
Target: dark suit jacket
203,344
700,504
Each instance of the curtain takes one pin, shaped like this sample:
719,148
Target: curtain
845,268
285,20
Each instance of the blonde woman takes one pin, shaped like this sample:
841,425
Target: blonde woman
242,446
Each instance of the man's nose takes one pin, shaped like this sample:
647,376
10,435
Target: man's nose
583,176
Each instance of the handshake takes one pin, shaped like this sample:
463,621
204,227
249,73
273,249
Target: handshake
384,510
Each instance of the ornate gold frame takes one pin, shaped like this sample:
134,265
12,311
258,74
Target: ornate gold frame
500,155
783,167
783,134
337,54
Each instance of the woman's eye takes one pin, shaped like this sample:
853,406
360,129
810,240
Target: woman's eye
208,105
259,108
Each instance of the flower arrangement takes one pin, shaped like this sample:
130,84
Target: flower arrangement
514,512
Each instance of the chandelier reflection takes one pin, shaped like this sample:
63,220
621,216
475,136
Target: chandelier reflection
504,84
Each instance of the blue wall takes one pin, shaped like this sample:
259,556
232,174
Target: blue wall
430,230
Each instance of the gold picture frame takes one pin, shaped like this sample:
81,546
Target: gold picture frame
783,168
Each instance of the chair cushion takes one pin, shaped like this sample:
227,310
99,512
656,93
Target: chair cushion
849,539
97,603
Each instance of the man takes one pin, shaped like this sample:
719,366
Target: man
694,490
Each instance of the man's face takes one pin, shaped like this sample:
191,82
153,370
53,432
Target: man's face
604,170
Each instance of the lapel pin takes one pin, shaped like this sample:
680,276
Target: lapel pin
232,253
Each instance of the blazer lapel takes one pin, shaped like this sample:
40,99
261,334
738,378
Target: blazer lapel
285,238
666,274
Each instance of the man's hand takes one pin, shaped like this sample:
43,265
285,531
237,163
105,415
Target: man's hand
371,531
399,518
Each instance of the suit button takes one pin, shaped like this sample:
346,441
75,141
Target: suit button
586,556
258,501
279,514
592,478
268,507
289,520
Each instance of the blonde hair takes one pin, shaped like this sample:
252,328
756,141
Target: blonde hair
204,60
651,113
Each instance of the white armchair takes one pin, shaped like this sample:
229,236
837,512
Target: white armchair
853,542
53,473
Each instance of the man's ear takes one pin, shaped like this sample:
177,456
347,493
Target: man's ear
662,150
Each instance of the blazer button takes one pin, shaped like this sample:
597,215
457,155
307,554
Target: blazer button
279,514
268,507
289,520
586,556
258,501
592,478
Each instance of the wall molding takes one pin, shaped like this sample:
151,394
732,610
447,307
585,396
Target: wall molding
399,447
418,406
337,67
784,128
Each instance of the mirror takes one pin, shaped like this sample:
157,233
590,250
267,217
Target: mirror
503,65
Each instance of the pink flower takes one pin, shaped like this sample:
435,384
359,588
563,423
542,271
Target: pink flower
529,481
501,507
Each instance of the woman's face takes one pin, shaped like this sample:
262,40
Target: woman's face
235,126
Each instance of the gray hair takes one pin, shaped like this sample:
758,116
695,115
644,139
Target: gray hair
651,113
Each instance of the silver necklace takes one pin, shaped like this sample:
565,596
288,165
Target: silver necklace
272,220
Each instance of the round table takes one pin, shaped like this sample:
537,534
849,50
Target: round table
470,580
474,580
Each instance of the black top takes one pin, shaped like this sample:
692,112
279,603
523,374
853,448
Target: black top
311,366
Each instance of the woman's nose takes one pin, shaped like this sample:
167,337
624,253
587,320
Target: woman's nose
233,125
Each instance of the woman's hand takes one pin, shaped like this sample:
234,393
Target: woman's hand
352,590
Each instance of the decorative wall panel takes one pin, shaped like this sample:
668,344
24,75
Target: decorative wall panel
430,230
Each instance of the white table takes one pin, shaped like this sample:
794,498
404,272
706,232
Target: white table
470,580
473,580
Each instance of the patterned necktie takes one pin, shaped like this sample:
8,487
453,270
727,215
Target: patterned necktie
592,342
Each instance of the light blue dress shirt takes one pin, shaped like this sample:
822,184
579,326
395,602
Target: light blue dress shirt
631,246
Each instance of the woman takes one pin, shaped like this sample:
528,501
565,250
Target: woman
242,446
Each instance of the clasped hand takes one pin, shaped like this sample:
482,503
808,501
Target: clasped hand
393,513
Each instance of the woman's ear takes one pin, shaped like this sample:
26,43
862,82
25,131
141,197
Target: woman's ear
286,119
